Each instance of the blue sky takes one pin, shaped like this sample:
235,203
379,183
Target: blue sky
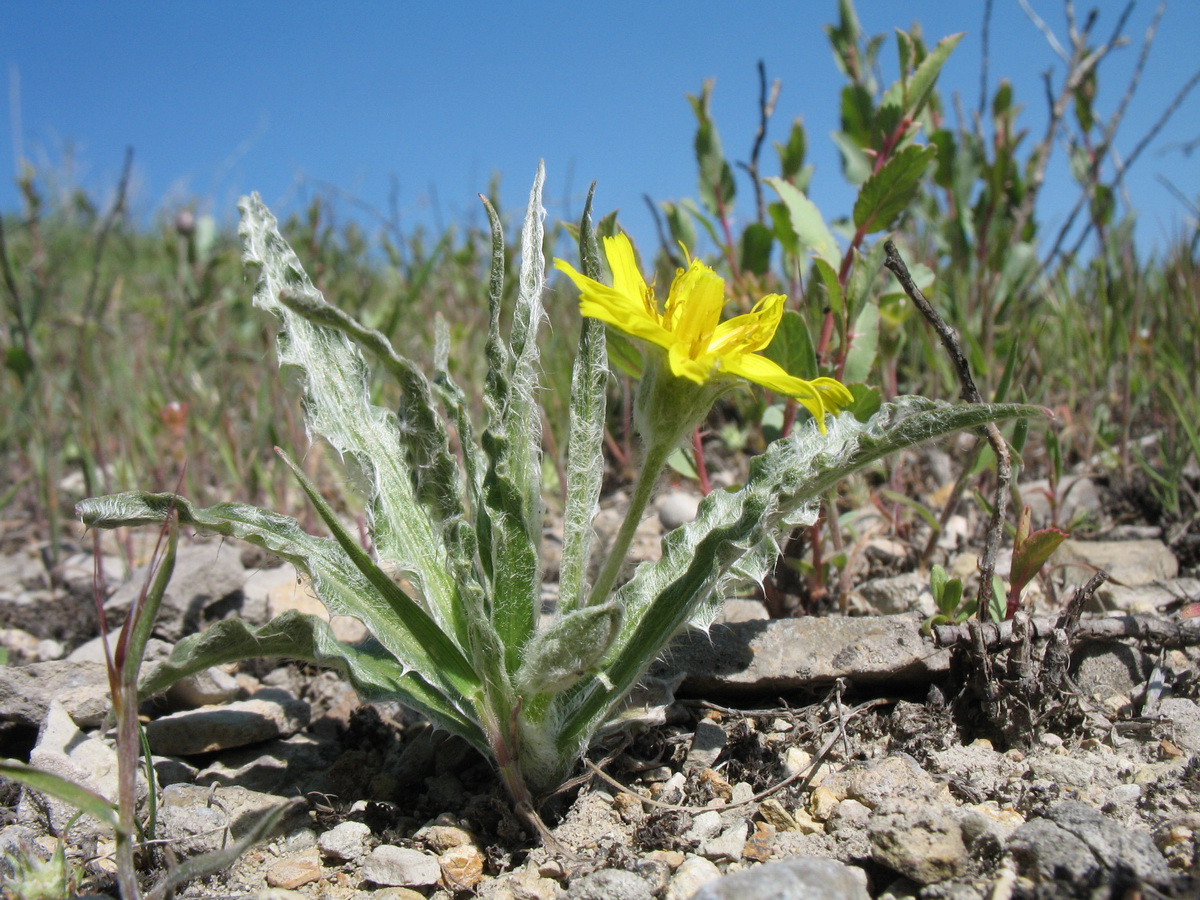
218,98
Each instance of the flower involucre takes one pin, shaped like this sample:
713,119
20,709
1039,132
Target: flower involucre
700,347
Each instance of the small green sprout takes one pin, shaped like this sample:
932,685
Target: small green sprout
33,878
947,597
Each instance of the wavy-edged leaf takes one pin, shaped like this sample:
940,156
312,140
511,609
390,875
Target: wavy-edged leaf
512,439
371,670
861,357
341,586
862,277
585,442
728,541
440,654
421,430
791,154
756,248
83,799
716,185
338,407
833,287
913,92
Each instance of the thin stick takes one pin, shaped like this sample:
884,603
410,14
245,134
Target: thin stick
766,106
985,58
1170,633
970,393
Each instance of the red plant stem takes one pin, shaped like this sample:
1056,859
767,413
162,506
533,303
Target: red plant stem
890,142
701,467
816,582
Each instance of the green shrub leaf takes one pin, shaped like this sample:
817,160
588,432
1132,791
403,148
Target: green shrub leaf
891,190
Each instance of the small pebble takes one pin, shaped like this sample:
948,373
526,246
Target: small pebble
294,871
345,841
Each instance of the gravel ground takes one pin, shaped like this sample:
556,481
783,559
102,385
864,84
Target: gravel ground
816,757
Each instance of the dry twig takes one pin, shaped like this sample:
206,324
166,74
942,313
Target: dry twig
970,393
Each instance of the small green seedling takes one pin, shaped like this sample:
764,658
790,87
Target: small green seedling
1031,549
947,597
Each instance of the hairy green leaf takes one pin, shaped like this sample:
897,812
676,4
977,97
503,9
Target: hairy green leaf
369,667
342,587
337,406
726,544
585,443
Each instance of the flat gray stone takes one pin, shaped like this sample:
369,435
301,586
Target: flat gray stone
80,687
610,884
898,594
206,586
1105,669
790,654
728,845
267,715
1184,716
63,750
799,878
210,686
1146,598
271,767
1074,843
1128,563
401,867
197,819
707,744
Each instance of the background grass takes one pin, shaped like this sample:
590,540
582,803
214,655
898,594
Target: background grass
131,349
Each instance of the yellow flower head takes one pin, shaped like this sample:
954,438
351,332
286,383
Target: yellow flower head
700,347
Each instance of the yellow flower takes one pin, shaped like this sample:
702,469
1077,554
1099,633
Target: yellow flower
700,347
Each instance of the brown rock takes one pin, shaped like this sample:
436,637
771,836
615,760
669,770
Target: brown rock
462,867
292,872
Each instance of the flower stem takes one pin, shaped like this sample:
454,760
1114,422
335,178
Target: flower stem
652,466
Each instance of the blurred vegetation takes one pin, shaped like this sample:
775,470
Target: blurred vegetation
131,350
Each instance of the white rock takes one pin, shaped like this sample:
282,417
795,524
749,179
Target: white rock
401,867
346,841
676,508
63,750
728,844
692,874
704,826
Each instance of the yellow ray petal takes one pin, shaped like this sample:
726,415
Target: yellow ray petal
599,301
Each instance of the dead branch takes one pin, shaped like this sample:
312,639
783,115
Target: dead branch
1170,633
987,564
